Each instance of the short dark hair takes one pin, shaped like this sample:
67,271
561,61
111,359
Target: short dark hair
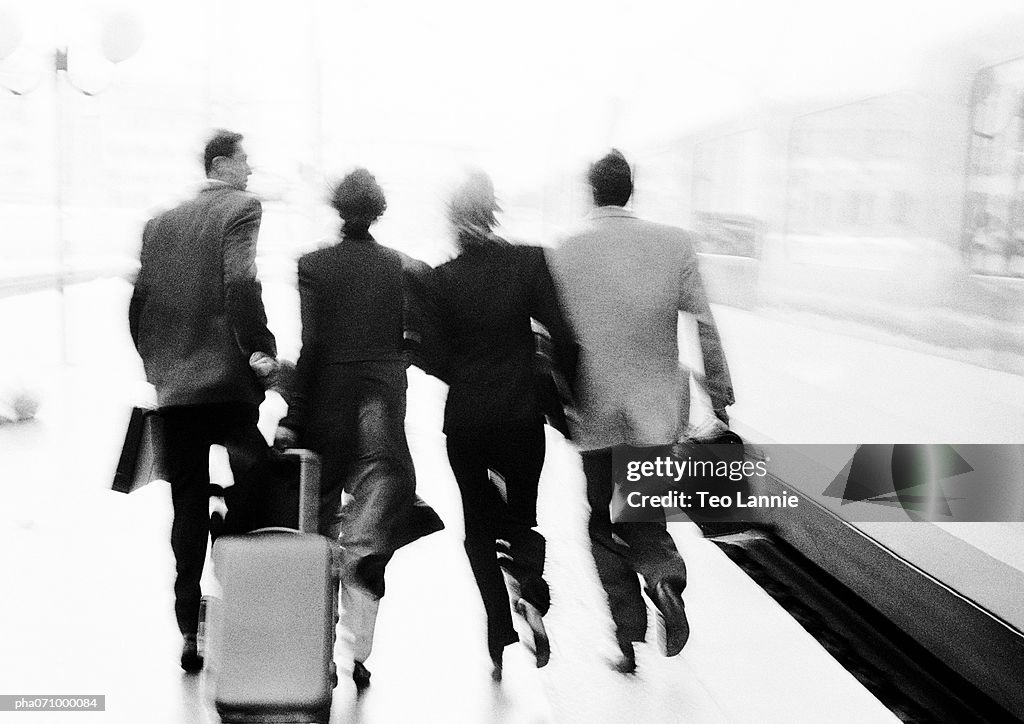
224,143
358,197
611,180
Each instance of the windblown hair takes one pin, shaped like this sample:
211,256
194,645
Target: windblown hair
471,209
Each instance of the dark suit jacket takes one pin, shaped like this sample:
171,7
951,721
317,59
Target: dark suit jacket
197,314
354,309
485,298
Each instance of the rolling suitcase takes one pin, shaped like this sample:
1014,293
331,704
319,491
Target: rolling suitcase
269,638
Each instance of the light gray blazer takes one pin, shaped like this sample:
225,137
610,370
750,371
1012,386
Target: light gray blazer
623,282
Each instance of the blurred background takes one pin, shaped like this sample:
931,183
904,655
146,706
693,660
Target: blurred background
415,92
852,163
852,173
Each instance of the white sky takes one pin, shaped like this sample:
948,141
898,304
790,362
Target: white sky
521,88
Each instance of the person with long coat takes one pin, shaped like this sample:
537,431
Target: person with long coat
349,404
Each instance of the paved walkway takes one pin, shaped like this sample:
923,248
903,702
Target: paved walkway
87,605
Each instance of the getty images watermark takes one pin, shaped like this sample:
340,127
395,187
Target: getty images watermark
693,480
872,482
63,702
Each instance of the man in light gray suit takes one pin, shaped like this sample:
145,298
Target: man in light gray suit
198,322
623,282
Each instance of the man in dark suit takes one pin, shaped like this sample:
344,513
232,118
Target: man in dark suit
198,322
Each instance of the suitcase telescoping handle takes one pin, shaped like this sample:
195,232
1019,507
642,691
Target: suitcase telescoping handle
309,488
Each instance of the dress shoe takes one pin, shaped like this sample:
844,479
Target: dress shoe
541,646
626,664
673,627
496,669
191,661
360,675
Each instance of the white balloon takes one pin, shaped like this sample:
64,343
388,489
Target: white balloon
120,36
10,34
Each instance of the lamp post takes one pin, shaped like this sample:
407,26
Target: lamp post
120,37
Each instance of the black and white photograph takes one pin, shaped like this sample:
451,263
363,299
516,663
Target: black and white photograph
549,362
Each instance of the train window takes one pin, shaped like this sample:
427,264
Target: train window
725,194
847,161
993,231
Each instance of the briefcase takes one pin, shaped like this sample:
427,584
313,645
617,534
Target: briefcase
140,460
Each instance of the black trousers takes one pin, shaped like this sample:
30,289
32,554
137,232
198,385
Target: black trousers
358,428
497,526
188,433
622,550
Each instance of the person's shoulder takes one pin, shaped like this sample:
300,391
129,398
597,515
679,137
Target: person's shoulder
158,215
452,272
396,259
536,258
175,208
447,268
524,252
391,253
243,200
659,232
314,259
663,228
580,232
168,219
223,196
412,265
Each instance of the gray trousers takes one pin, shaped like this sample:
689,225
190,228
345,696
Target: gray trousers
623,550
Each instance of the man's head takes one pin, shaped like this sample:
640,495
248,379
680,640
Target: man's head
358,199
611,180
225,159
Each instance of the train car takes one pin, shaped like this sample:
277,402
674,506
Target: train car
866,259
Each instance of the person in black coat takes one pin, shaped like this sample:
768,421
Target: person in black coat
494,420
348,403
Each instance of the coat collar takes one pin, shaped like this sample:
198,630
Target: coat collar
356,236
213,184
607,212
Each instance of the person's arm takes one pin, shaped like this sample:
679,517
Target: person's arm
693,299
547,310
138,300
302,383
243,293
425,338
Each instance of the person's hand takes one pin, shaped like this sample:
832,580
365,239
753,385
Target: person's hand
285,438
282,380
264,366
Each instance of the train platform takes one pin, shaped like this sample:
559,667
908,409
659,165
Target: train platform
87,605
